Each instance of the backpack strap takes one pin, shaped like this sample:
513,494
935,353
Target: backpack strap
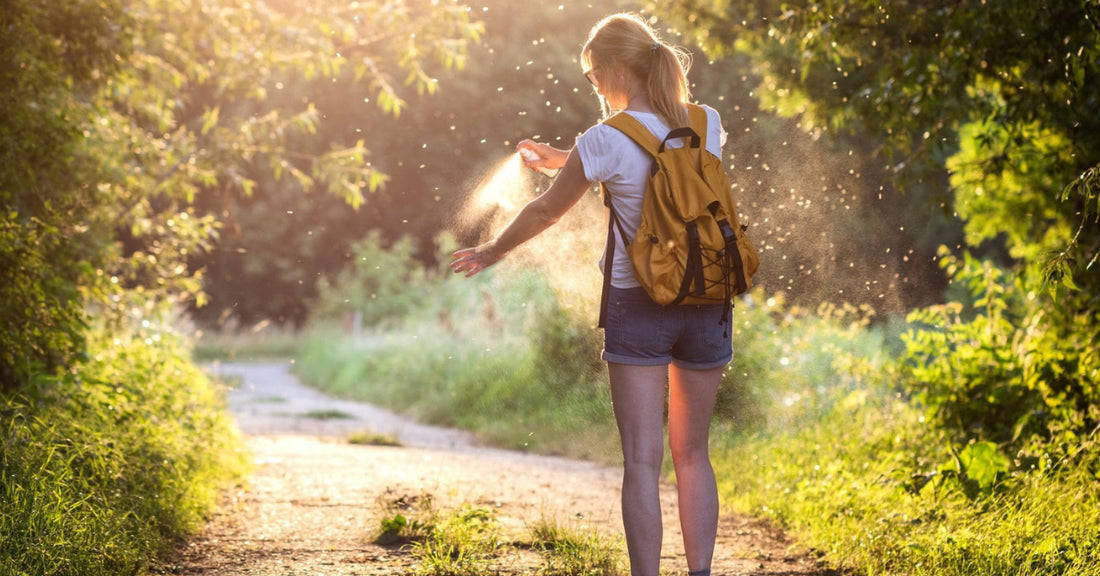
636,131
697,116
632,127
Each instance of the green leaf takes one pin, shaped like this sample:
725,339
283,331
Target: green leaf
210,120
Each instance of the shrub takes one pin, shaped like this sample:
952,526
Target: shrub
994,367
102,468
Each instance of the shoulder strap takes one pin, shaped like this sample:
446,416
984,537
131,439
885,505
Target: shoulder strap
637,131
632,127
697,116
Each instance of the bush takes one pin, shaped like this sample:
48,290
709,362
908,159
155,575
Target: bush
103,468
383,284
994,367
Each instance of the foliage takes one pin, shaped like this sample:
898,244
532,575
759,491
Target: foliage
122,115
514,83
519,82
791,365
993,368
50,232
105,467
462,544
1001,99
868,487
382,285
936,77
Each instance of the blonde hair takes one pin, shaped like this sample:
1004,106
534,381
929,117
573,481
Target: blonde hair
628,40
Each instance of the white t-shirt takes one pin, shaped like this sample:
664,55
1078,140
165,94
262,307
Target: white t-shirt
612,158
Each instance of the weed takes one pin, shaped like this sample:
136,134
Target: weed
370,438
572,551
406,519
463,544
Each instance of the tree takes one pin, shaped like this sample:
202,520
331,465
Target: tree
999,96
123,113
51,232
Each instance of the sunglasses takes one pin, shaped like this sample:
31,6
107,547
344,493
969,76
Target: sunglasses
590,75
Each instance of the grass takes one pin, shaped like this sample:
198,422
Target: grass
371,438
259,342
467,374
569,550
847,487
328,415
102,469
467,541
463,543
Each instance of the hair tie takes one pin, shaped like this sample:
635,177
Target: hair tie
656,45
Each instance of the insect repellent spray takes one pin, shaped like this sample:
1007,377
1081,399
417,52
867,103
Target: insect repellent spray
531,156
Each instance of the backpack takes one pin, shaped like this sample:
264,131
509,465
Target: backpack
690,247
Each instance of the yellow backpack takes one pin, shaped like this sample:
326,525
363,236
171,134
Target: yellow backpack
690,247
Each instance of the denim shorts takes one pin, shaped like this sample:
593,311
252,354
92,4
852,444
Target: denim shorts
641,332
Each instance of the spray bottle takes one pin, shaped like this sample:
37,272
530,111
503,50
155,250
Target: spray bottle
530,156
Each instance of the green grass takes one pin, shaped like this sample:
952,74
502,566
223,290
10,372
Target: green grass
104,468
571,550
467,541
328,415
260,342
483,374
463,543
852,487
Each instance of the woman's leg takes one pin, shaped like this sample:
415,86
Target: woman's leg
638,395
690,406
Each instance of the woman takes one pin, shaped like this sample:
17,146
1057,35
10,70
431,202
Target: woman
646,346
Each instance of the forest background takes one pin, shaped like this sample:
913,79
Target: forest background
921,178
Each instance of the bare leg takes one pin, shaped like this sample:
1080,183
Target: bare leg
691,403
638,394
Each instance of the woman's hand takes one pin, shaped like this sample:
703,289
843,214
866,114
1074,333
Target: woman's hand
470,261
537,155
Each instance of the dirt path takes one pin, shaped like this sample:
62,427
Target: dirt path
314,500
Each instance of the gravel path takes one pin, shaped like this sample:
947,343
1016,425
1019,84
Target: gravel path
314,501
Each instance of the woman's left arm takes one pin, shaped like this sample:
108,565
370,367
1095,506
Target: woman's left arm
535,217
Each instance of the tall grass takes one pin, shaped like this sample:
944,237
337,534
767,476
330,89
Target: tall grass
103,468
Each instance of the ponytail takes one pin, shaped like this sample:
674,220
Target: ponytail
668,87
